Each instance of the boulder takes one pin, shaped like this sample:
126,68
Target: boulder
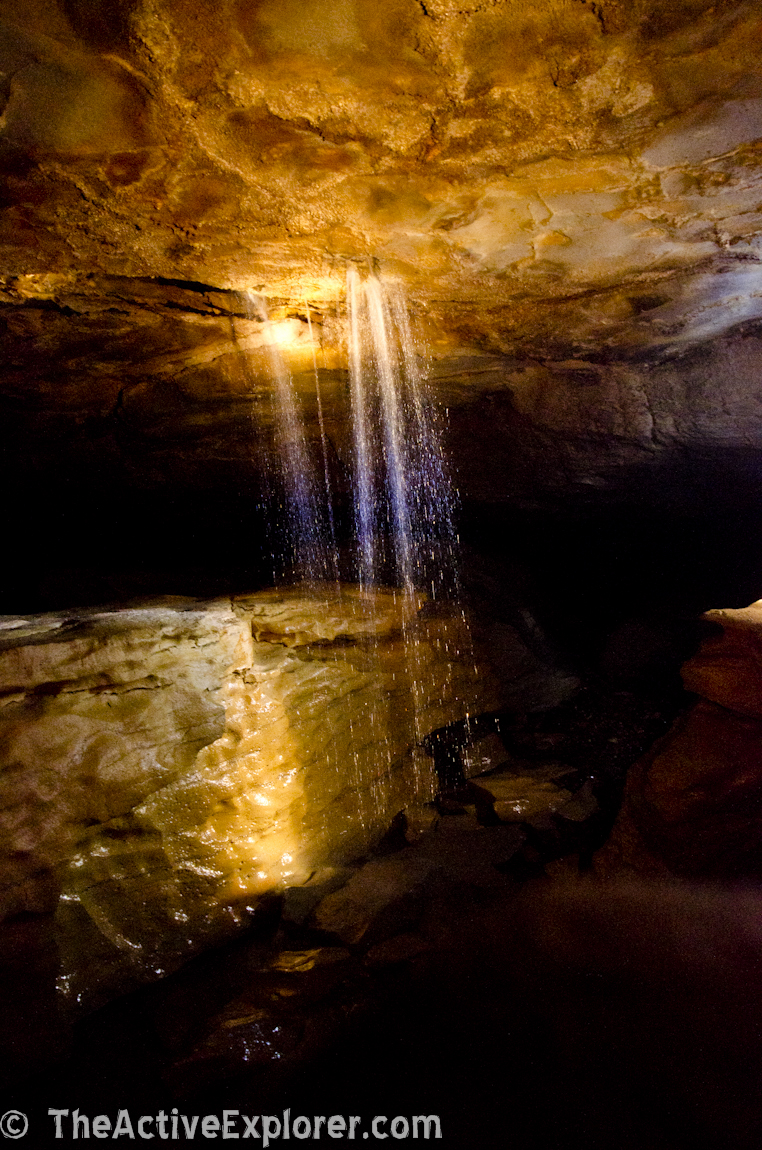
728,668
693,804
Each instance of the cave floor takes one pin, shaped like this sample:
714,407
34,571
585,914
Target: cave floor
392,989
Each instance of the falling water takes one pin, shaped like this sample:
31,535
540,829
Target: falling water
404,501
333,553
433,495
308,551
365,512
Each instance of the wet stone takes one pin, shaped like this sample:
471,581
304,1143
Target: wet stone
401,948
377,888
420,819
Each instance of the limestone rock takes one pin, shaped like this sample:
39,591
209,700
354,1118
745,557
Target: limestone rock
485,754
401,948
263,146
530,682
100,712
420,819
520,797
582,805
287,1016
468,856
692,805
289,618
586,428
300,901
385,898
163,768
379,885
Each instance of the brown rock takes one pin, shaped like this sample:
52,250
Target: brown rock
728,668
380,886
521,795
693,806
401,948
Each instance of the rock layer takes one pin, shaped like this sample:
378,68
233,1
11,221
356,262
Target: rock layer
485,154
166,766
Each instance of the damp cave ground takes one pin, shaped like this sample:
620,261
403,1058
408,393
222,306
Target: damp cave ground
383,1027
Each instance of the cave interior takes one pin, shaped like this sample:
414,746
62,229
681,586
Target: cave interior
569,194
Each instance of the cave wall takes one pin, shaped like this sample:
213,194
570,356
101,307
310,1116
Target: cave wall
139,439
681,433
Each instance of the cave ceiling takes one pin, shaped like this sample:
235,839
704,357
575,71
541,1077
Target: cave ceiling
594,166
559,185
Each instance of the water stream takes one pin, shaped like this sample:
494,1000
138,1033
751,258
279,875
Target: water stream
308,552
402,501
333,553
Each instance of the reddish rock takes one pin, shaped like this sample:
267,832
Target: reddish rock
693,805
728,668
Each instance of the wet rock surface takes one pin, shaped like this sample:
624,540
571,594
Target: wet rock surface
329,965
166,766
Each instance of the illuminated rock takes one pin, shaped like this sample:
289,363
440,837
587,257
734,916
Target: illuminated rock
728,668
567,192
499,158
164,767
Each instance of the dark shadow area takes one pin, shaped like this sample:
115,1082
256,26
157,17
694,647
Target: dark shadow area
555,1016
620,567
77,546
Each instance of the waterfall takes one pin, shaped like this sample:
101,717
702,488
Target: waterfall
403,541
364,501
333,553
403,499
309,551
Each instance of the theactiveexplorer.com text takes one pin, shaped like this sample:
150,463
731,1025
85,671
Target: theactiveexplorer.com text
266,1128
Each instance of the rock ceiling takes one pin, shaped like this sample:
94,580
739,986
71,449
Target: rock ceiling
570,190
535,173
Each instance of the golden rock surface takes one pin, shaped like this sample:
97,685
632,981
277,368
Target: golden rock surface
560,174
569,192
164,766
728,668
488,154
